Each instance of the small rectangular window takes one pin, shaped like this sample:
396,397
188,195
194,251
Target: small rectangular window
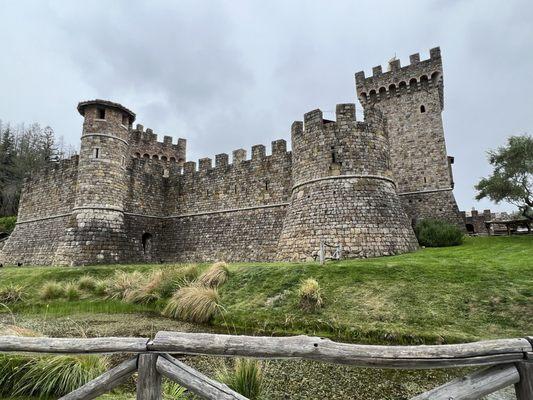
124,120
101,113
96,152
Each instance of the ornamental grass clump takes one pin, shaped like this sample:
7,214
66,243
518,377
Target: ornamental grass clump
215,276
173,391
46,376
246,377
193,303
175,277
72,292
310,295
11,294
121,284
87,282
436,233
148,292
52,291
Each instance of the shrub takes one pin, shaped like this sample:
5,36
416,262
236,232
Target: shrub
120,285
51,291
194,303
47,376
176,277
87,282
215,276
310,295
72,292
246,377
147,293
7,224
100,288
436,233
11,294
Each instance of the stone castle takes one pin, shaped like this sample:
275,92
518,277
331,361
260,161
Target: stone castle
361,185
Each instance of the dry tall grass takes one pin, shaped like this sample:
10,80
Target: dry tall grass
122,284
193,303
215,276
51,291
175,277
11,294
310,295
148,291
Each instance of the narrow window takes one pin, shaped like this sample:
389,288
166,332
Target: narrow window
101,113
123,160
235,189
96,152
207,192
333,155
425,181
422,109
266,185
124,120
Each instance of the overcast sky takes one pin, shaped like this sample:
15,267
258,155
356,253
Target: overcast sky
231,74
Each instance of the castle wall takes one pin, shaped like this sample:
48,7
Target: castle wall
432,205
262,180
245,235
47,200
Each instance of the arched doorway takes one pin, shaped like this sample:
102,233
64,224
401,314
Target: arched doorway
470,228
147,245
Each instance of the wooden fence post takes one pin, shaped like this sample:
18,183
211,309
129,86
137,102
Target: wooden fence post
524,388
149,381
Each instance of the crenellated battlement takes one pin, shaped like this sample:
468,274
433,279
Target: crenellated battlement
145,144
239,158
398,80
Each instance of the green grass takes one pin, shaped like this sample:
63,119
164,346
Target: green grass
7,224
481,289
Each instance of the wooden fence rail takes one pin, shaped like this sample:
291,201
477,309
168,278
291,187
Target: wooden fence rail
509,361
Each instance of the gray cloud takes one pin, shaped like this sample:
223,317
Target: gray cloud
230,74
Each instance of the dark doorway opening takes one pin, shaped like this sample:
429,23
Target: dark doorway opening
147,244
470,228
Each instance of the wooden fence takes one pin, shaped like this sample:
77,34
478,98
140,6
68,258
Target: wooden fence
505,362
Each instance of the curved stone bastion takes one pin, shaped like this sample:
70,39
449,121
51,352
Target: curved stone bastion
343,193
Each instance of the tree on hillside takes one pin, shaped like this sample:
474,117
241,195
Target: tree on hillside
512,178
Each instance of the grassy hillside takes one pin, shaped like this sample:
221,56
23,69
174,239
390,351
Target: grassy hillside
482,289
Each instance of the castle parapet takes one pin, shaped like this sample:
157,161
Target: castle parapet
144,144
399,80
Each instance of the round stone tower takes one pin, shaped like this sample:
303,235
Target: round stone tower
96,228
343,192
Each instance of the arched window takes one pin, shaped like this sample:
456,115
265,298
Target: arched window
146,155
137,155
373,95
392,90
155,157
382,93
424,81
403,87
422,108
172,159
435,77
163,158
413,84
363,96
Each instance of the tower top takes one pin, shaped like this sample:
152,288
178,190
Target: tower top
108,104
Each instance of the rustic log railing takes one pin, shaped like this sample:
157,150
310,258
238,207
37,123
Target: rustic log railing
507,361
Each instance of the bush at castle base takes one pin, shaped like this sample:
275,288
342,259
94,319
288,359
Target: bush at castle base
436,233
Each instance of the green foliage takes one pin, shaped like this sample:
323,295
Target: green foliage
194,303
52,290
245,378
121,285
11,294
7,224
512,178
47,376
215,276
436,233
310,295
175,277
173,391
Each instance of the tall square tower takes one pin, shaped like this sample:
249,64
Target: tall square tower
412,99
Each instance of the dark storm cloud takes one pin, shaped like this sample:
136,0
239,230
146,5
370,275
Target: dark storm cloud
230,74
